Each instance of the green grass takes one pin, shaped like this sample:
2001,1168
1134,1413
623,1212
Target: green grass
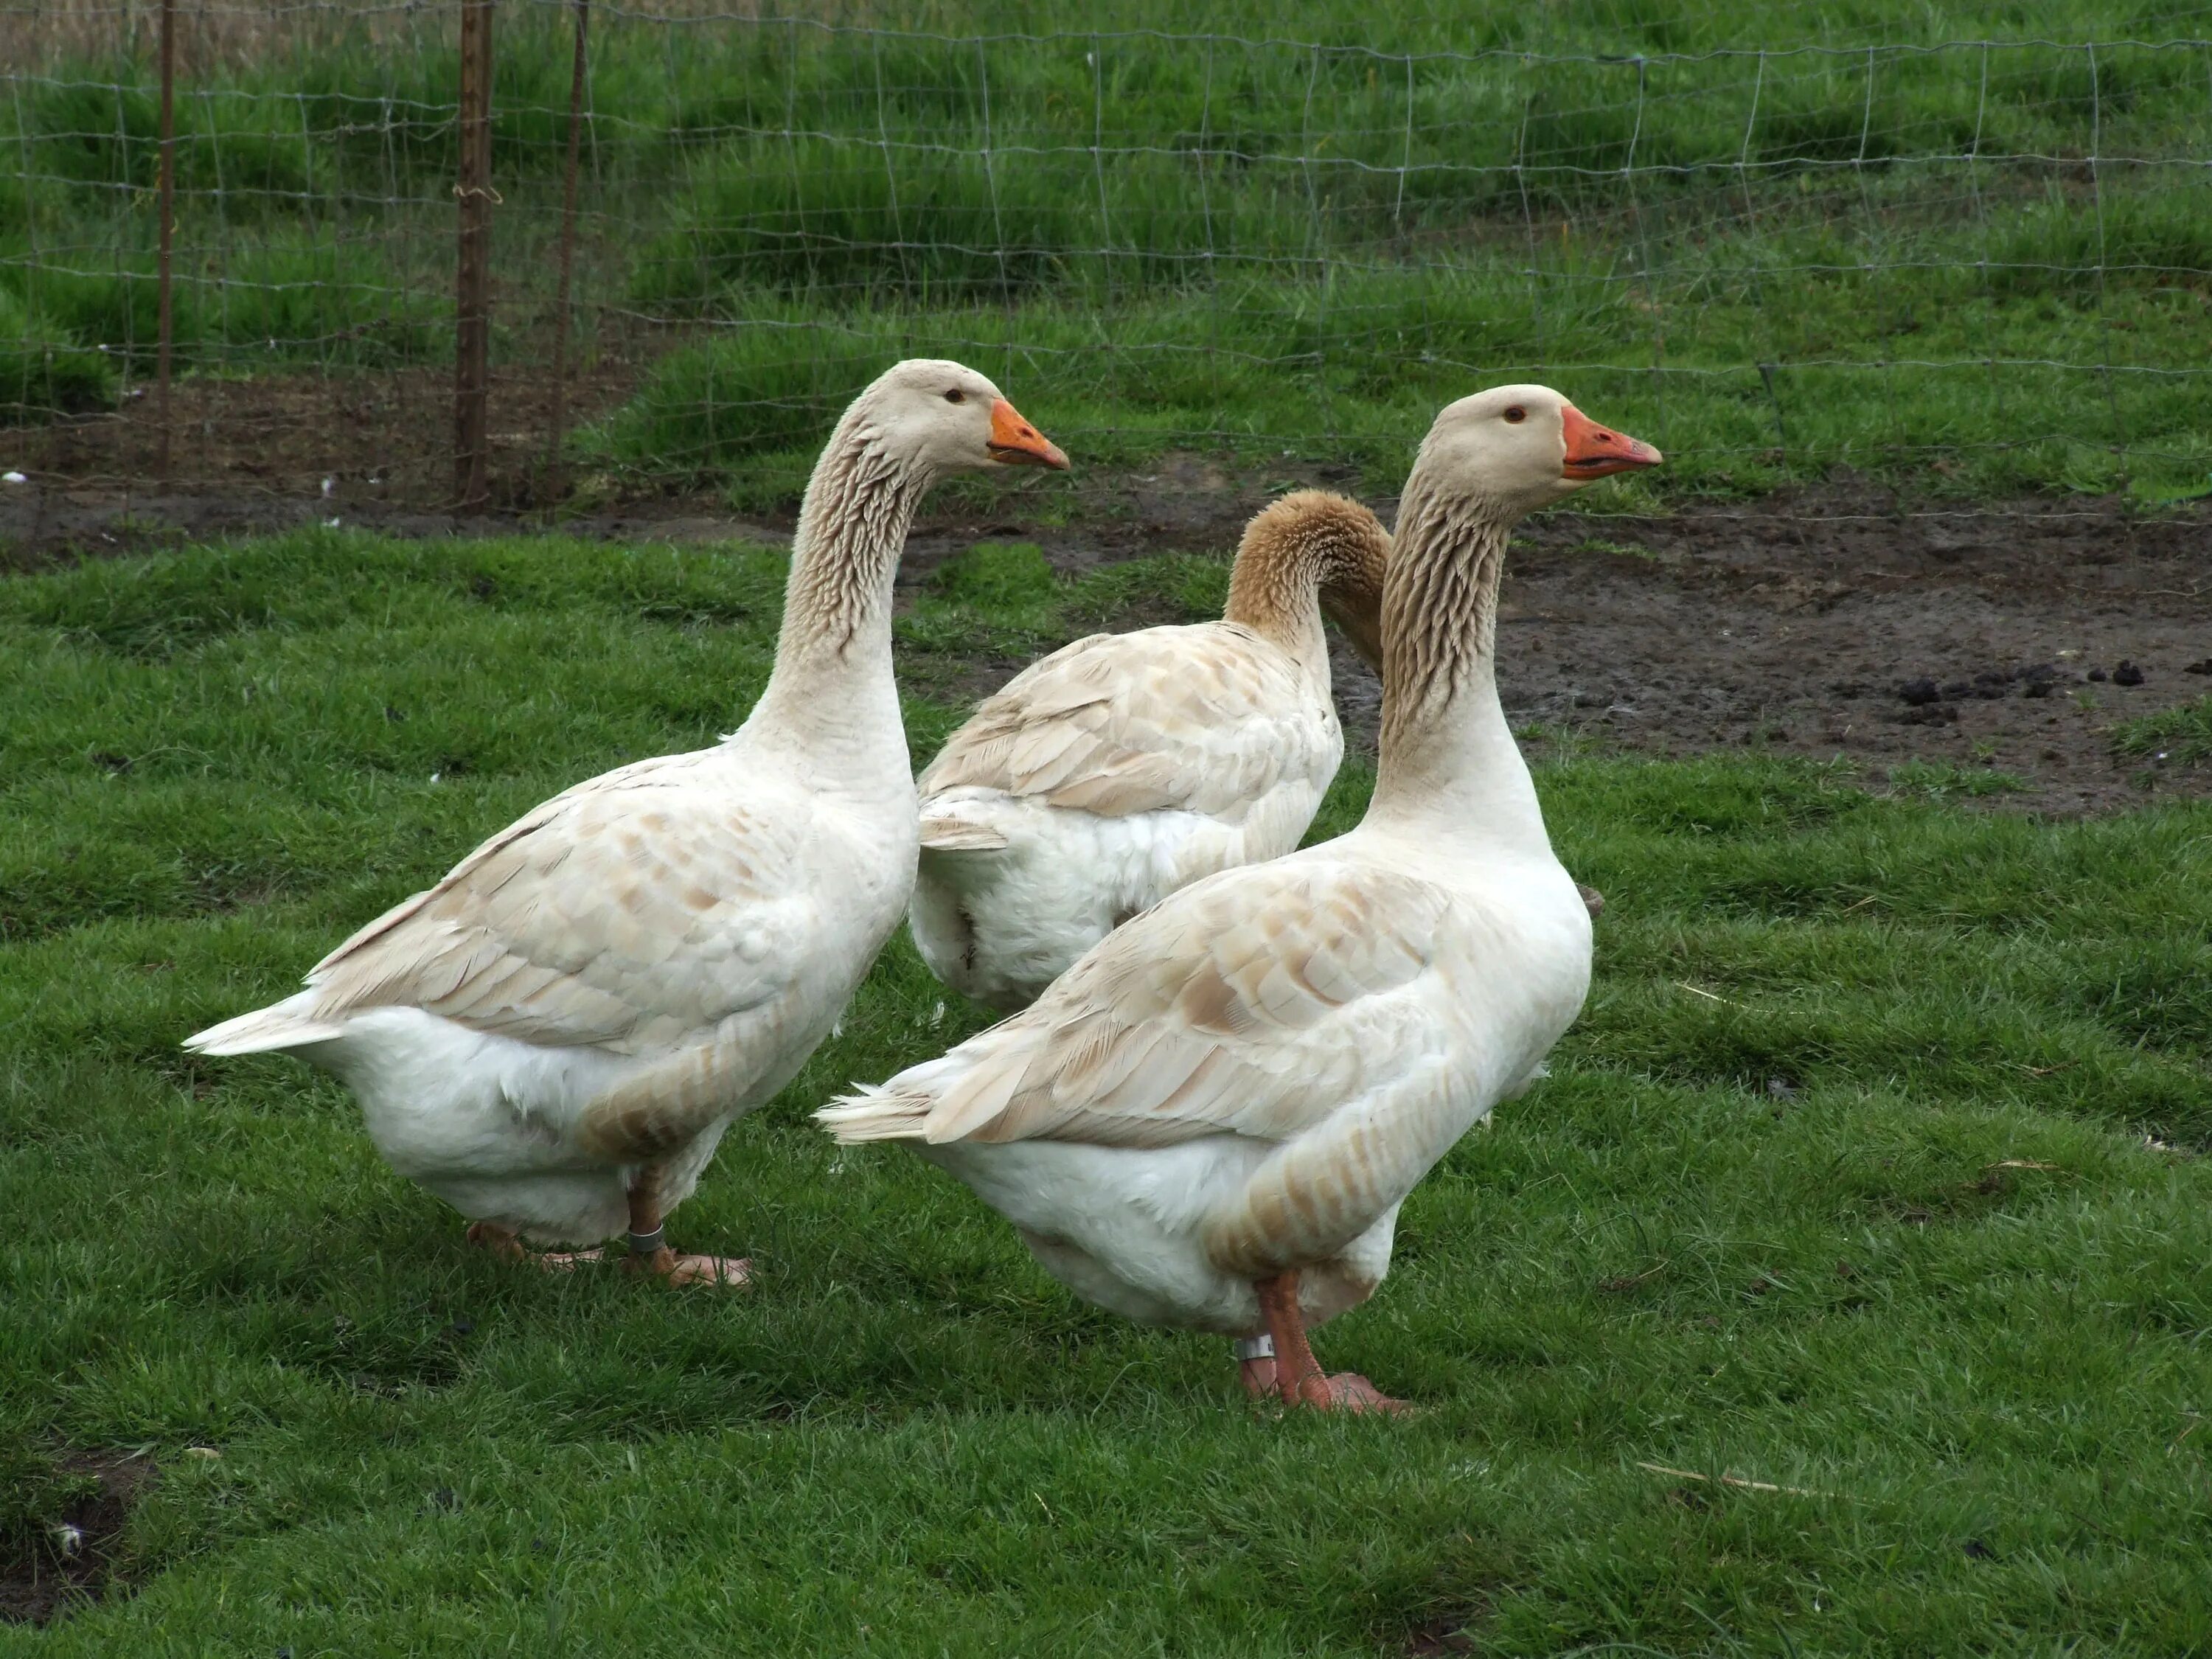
2182,734
1354,368
1938,779
1840,1184
1777,239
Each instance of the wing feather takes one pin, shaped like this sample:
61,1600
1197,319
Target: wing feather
1256,1002
1208,717
637,910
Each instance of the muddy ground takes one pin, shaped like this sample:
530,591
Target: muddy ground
1837,620
70,1559
1828,623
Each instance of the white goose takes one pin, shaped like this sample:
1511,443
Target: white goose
1103,777
1211,1120
553,1037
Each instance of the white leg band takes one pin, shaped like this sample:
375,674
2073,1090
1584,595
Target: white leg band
1261,1346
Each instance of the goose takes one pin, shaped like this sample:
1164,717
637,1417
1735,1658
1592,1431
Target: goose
1103,777
1211,1120
554,1038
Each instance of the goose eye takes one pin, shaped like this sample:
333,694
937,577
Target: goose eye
1516,415
956,396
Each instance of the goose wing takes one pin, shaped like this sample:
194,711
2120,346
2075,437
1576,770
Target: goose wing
630,912
1206,717
1257,1002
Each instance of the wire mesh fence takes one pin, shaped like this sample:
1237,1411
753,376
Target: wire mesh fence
1986,263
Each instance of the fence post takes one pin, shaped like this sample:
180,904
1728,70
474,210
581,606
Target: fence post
568,250
472,309
168,225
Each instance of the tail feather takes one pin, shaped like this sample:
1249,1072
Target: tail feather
873,1113
286,1025
942,833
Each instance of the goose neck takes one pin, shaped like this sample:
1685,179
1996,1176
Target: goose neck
1448,767
833,653
1274,590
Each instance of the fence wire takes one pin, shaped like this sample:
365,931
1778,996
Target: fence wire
1984,264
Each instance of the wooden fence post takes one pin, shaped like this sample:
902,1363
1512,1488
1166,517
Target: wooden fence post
165,298
472,309
568,250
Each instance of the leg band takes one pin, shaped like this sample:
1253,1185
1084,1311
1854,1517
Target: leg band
1261,1346
647,1243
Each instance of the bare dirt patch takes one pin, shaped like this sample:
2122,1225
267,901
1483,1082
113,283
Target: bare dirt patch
1841,622
278,451
69,1558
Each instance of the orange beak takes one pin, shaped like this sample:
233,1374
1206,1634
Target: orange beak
1594,452
1015,442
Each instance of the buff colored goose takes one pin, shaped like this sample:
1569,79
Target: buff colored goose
1212,1119
1121,767
553,1037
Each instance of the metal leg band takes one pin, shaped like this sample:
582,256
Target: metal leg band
1261,1346
647,1243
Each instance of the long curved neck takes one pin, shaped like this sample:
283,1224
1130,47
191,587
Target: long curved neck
832,684
1448,767
1274,590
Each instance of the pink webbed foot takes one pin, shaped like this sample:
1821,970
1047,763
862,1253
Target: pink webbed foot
567,1261
1346,1391
647,1255
731,1272
502,1243
1299,1380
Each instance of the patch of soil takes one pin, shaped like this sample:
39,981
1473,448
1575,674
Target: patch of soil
1841,622
43,1578
382,446
278,451
1438,1637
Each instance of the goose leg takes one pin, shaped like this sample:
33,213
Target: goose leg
1255,1364
502,1243
1298,1376
649,1253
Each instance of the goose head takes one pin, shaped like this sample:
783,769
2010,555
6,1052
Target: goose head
1520,448
932,416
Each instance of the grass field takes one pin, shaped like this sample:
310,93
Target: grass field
1873,1173
1971,246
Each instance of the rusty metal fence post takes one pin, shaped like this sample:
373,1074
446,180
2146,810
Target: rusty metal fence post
567,251
472,307
165,296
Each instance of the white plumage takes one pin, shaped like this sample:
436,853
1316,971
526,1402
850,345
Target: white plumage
515,1035
554,1038
1138,1122
1212,1119
1108,775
